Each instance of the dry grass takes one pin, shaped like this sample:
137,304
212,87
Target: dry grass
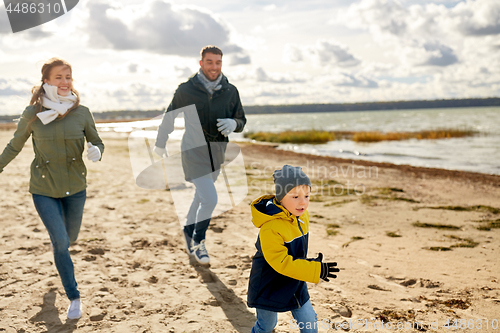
310,136
318,136
442,133
490,225
7,126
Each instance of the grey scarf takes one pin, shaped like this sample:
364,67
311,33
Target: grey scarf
211,86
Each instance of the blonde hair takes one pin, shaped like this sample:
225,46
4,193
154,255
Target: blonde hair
38,91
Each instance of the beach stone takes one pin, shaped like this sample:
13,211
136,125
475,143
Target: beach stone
409,282
97,315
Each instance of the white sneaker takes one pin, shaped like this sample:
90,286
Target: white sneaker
200,252
75,309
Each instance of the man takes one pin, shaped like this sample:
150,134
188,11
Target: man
220,113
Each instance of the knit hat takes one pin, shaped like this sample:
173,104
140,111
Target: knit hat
287,178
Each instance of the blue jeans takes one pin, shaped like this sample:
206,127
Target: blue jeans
305,317
202,207
62,218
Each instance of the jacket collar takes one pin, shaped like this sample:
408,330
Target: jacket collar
266,208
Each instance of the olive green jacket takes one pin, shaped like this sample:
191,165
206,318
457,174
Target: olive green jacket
58,169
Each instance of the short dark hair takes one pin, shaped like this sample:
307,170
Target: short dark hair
210,49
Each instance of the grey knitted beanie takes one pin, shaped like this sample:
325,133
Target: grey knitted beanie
287,178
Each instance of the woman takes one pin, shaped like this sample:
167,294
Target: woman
58,125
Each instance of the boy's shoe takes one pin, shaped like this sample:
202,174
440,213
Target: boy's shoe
200,252
75,309
188,240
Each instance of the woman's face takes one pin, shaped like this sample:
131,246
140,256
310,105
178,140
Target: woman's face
60,76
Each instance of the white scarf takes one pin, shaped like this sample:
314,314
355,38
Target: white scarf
57,104
211,86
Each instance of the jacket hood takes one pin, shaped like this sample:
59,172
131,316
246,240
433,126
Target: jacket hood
266,208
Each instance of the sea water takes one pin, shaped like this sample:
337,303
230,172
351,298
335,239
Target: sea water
480,153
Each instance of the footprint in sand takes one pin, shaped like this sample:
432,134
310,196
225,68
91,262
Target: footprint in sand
342,310
375,287
96,251
140,243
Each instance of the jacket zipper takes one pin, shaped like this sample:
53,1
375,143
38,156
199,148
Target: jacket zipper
303,243
304,247
209,109
208,143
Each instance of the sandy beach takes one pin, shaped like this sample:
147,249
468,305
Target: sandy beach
379,222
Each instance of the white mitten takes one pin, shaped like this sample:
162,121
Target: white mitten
226,126
93,153
162,152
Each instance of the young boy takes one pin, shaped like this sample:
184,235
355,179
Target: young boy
280,268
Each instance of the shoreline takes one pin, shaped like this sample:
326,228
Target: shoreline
417,170
268,148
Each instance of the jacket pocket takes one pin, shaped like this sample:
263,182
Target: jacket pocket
77,168
40,169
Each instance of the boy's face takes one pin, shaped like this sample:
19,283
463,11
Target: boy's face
297,200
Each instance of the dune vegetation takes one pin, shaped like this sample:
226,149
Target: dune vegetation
318,136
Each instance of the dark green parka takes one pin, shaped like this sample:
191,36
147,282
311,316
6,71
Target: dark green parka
224,103
58,169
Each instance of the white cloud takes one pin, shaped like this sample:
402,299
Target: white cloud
270,7
14,87
344,79
132,68
163,29
323,53
239,59
262,76
428,35
426,54
183,72
380,17
14,94
389,18
477,18
329,53
292,53
125,96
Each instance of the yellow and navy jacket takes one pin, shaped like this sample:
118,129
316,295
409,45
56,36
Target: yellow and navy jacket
280,268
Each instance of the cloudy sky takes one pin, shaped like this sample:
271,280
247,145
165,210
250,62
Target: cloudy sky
132,54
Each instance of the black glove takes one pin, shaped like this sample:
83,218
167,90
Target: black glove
319,258
327,268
